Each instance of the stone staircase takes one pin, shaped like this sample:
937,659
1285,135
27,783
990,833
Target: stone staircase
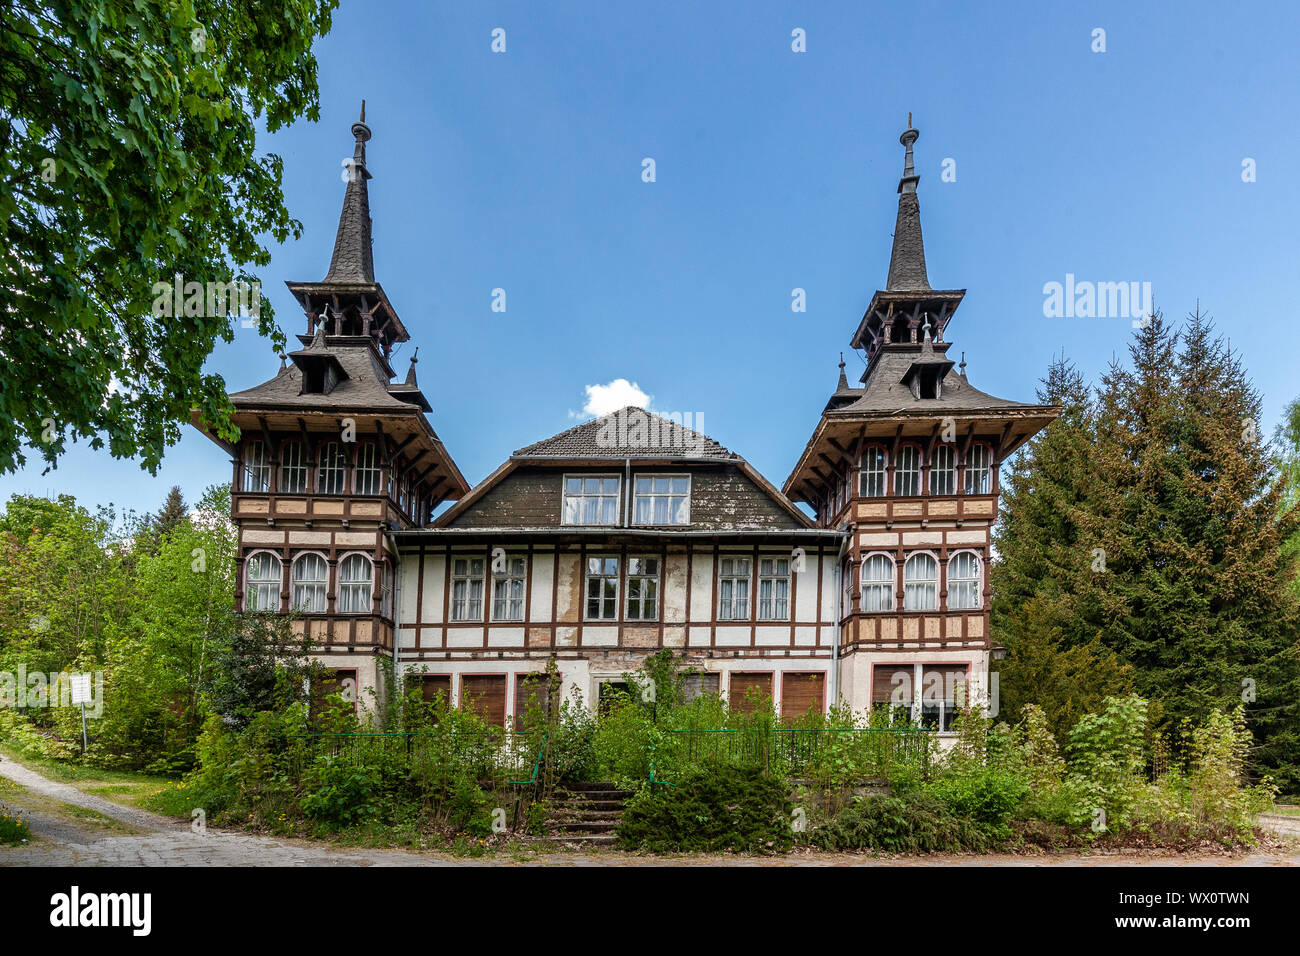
586,813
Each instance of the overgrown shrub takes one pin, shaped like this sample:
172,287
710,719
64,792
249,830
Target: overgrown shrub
915,823
732,809
987,797
13,828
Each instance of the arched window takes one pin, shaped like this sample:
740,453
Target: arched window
293,469
262,582
878,583
329,473
257,469
943,471
978,460
366,477
921,583
907,473
310,575
964,582
874,482
356,584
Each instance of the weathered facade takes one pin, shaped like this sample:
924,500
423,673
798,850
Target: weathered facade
631,533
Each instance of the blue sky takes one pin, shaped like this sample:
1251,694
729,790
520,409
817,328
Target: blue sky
775,170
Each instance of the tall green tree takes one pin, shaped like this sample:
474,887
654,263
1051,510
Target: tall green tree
128,157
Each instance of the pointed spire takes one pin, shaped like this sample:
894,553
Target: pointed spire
410,372
907,261
844,380
353,260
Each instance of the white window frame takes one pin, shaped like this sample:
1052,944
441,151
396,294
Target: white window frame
975,584
367,468
913,473
293,459
355,595
467,576
316,590
773,600
638,580
331,466
917,689
888,587
653,497
256,585
583,495
734,606
923,586
257,467
983,471
949,473
604,575
509,589
868,476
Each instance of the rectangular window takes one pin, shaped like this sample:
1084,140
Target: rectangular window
802,695
748,692
365,479
508,590
923,695
329,473
662,499
642,589
699,684
907,473
257,469
873,480
591,500
977,470
293,469
386,590
602,589
733,589
943,471
774,589
467,589
485,695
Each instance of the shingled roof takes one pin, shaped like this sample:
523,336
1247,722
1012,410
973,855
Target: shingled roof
365,387
630,432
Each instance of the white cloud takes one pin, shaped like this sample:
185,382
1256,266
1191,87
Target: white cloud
603,399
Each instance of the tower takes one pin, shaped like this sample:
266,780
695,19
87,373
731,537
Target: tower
907,465
333,455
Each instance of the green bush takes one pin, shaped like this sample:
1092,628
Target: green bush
915,823
987,797
732,809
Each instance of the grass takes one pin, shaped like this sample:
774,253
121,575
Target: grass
1287,811
121,786
16,795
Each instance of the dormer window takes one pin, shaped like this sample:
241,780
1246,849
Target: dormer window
590,499
662,499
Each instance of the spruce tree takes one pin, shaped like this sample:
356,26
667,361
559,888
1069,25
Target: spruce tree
173,513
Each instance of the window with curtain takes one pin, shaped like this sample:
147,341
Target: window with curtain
878,583
943,471
310,577
467,589
591,499
978,463
964,582
921,583
774,589
733,589
662,499
508,589
329,470
262,579
293,469
356,584
874,480
907,473
257,467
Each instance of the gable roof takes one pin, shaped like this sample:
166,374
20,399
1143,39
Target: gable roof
630,432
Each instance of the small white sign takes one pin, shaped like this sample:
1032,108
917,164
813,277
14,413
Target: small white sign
80,688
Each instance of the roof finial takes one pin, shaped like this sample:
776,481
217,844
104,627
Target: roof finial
844,381
410,372
962,366
363,114
907,261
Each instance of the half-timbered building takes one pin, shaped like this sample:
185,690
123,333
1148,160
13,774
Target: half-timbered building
630,533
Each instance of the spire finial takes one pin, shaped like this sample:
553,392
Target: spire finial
962,366
410,372
363,114
844,381
353,259
907,261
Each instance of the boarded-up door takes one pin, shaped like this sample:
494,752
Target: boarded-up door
485,694
535,698
802,694
342,682
746,692
431,685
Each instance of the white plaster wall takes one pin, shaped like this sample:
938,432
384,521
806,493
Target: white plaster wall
702,586
543,577
435,571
